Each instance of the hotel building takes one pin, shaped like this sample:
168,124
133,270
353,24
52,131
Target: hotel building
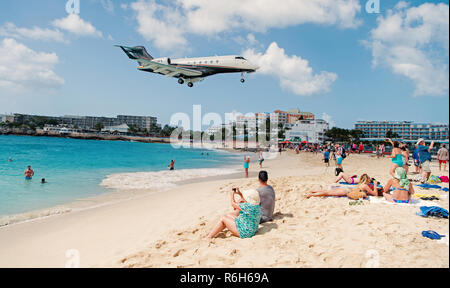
407,130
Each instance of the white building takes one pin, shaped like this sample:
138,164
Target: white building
212,130
312,131
59,129
123,128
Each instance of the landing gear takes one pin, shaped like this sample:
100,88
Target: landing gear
242,80
180,81
190,84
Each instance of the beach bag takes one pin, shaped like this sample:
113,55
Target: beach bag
338,171
434,179
356,194
343,155
444,179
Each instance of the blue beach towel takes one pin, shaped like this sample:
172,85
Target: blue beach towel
434,211
429,186
432,235
432,186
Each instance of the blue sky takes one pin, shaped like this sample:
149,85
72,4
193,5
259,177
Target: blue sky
360,66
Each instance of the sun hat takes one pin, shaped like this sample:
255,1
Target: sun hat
251,196
420,140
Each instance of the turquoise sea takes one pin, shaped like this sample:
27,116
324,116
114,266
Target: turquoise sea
74,168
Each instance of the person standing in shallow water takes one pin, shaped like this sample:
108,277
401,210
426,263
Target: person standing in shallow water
172,165
29,173
246,165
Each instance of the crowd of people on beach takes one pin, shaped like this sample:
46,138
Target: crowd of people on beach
254,207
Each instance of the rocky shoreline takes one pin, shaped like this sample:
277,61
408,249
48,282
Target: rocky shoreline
85,136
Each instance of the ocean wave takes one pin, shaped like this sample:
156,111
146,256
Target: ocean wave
24,217
160,179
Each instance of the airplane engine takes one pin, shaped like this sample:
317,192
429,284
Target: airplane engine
163,61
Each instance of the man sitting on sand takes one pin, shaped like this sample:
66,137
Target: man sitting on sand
266,196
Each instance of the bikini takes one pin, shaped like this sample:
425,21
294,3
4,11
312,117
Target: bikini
399,201
398,160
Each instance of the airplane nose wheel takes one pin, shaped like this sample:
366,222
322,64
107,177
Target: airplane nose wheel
242,77
180,81
190,84
242,80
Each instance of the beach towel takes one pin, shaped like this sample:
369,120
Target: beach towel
433,211
429,186
432,235
433,179
345,183
424,195
444,179
412,202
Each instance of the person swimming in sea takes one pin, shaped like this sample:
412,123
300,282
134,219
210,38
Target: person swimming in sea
172,165
10,159
29,173
43,181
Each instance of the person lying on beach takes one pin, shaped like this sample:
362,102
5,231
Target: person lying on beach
244,221
397,157
399,189
364,185
350,180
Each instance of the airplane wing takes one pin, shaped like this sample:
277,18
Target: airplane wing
168,70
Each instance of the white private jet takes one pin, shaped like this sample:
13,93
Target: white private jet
189,70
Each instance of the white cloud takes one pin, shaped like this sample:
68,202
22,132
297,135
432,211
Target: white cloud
108,5
35,33
329,119
23,69
166,32
74,24
413,42
294,73
167,25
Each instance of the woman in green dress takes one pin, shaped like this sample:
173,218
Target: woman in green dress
244,221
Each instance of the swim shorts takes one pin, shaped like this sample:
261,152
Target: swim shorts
426,166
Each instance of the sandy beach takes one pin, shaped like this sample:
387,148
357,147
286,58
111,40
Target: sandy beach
169,229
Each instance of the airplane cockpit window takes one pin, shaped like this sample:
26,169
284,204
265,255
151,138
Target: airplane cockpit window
241,58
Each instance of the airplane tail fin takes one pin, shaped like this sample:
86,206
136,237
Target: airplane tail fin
136,53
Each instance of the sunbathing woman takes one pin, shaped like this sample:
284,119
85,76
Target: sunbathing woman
350,180
397,157
339,191
399,189
244,221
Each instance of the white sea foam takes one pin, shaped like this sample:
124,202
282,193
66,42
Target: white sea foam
24,217
160,179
